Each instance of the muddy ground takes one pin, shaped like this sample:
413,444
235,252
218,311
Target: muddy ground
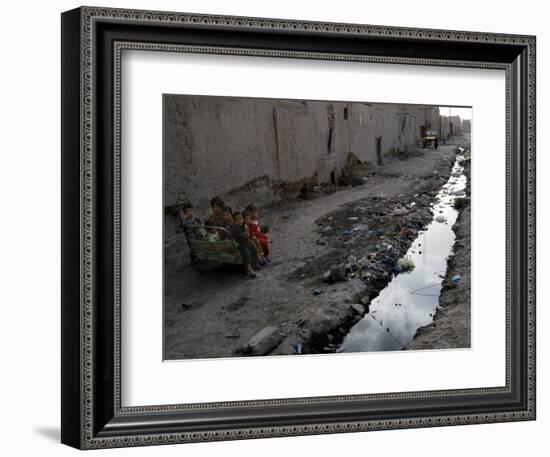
451,327
332,253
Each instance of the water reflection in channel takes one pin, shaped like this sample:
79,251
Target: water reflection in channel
410,300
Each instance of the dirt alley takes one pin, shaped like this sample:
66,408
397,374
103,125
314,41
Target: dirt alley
215,314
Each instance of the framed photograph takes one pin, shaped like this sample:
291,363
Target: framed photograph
273,227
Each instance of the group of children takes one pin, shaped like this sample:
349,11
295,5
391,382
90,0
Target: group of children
223,223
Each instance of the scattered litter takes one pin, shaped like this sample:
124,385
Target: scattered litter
358,309
347,232
318,291
338,273
365,300
460,202
353,218
400,211
298,347
351,259
456,278
406,263
359,227
441,219
387,261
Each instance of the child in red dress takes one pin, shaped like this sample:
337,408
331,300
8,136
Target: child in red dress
256,231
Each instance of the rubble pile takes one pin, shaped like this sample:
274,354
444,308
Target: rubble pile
375,238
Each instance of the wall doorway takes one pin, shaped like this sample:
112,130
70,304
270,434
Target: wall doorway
379,160
333,177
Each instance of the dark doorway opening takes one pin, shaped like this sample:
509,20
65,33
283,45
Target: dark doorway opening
379,151
333,177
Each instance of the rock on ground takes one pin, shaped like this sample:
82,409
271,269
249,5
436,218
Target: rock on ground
264,341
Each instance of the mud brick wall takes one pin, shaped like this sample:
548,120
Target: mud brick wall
238,147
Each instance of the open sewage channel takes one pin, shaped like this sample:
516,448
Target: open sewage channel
410,300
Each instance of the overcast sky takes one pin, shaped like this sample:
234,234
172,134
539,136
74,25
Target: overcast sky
464,113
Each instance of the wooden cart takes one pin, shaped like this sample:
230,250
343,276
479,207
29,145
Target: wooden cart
210,254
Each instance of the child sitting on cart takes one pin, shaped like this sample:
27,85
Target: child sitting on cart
192,227
256,232
215,219
227,222
249,254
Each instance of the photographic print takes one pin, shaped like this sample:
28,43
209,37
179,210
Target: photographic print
296,227
321,233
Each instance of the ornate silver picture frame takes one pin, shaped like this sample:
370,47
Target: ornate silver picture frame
93,40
